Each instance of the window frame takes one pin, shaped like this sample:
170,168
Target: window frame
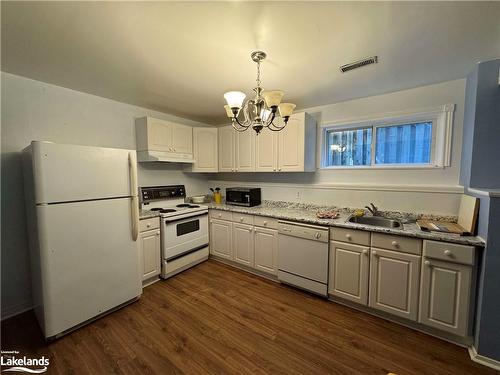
441,118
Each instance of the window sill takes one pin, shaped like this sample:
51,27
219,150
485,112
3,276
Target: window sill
388,166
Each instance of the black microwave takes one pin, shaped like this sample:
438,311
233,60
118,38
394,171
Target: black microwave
241,196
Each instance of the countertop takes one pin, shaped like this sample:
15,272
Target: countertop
146,214
307,214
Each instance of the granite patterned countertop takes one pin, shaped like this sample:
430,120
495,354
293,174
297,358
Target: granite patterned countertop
146,214
306,213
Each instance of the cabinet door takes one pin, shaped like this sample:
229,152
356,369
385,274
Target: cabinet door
245,151
159,135
291,145
220,238
445,296
349,272
182,139
394,282
205,150
243,244
266,151
149,247
266,250
226,149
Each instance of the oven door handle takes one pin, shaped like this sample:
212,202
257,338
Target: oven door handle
174,219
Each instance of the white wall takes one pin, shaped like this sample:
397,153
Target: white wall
33,110
423,190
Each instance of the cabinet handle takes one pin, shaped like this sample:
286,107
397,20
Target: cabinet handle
427,263
265,223
374,252
447,252
220,215
158,232
174,149
148,225
279,169
241,218
348,236
365,251
395,243
317,235
170,149
274,169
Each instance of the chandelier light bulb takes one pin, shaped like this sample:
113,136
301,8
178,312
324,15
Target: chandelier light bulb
234,99
286,109
229,112
272,98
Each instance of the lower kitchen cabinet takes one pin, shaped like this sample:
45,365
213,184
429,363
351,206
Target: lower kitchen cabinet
149,247
445,296
394,282
266,250
243,244
220,238
349,271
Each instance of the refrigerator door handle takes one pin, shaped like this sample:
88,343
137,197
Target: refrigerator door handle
132,159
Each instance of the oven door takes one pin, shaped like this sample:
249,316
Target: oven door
183,235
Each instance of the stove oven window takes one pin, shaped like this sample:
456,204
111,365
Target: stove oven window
188,227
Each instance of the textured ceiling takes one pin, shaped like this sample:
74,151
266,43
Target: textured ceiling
181,57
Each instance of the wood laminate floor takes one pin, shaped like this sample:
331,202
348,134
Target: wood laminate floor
217,319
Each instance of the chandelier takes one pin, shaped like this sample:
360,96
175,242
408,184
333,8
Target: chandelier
261,111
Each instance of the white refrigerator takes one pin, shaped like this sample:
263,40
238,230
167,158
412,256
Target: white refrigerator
83,219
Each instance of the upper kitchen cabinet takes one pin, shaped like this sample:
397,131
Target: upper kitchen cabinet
227,150
245,151
159,140
205,150
292,149
297,144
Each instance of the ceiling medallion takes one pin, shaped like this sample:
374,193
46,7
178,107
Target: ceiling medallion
261,111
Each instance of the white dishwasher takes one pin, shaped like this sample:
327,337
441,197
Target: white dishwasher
303,256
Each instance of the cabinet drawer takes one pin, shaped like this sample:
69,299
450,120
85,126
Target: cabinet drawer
149,224
397,243
359,237
223,215
266,222
242,218
449,252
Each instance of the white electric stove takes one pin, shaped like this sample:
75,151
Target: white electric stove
183,227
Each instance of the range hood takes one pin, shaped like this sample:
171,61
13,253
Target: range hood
164,156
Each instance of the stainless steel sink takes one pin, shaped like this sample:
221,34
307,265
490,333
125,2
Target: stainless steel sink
376,221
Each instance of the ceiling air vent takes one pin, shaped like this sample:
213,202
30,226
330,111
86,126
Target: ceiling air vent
359,64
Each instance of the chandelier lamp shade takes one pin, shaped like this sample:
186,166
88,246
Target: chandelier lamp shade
262,110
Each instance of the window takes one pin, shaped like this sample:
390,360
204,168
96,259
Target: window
411,140
404,144
349,147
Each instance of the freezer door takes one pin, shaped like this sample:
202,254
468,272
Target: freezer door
89,262
66,173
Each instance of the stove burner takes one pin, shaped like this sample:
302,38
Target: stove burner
183,205
167,210
193,206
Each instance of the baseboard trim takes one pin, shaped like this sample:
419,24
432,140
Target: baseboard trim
485,361
13,310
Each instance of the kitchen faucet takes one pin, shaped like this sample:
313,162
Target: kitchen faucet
373,209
